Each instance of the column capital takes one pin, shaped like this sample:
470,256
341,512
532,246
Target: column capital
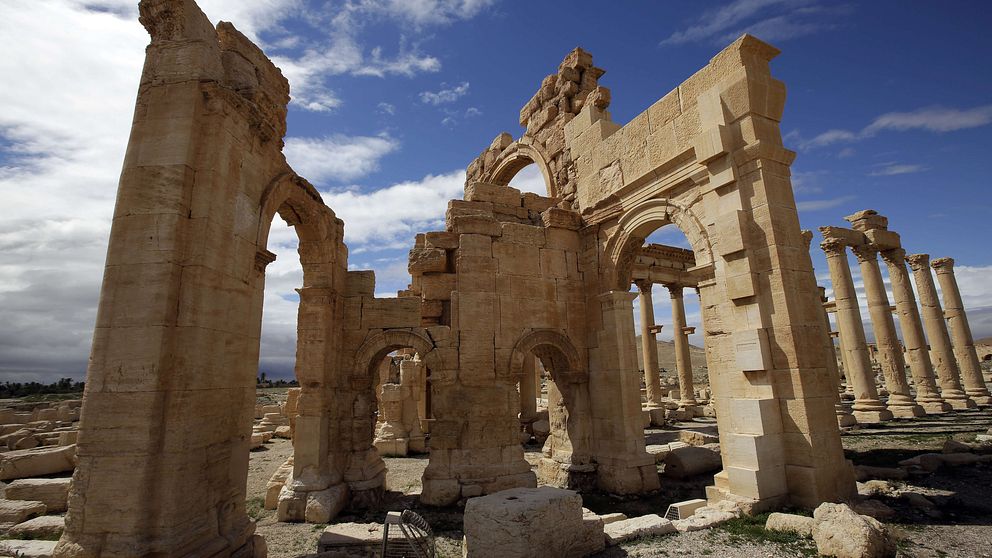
834,247
894,256
807,237
943,265
644,286
675,290
865,253
918,261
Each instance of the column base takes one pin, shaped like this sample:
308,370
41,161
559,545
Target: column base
961,404
981,397
906,411
935,407
872,417
628,476
570,476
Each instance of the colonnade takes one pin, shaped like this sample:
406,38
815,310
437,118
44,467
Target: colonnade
950,361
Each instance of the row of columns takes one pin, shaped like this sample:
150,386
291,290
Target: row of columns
649,345
950,353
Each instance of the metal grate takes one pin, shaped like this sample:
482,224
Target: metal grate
672,514
411,536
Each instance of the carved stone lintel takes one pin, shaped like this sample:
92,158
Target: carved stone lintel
263,258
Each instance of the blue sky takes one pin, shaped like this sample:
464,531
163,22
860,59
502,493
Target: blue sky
889,107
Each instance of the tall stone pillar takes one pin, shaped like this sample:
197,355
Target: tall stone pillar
961,340
683,360
920,365
844,417
867,407
889,350
623,464
528,390
649,344
941,352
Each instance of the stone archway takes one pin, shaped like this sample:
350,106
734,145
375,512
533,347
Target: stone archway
514,158
567,461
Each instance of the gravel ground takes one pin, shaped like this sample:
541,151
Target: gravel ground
959,526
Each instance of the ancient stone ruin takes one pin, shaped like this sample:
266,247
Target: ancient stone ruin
518,291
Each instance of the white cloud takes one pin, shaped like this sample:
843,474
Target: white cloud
390,217
770,20
931,119
337,157
894,169
445,95
386,108
819,205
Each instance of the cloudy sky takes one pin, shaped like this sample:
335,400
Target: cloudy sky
890,105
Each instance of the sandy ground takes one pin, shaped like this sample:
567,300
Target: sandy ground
960,525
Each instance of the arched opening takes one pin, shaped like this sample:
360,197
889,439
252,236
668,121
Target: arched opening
302,417
667,272
551,359
519,165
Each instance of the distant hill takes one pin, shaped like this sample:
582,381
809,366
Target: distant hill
984,347
666,359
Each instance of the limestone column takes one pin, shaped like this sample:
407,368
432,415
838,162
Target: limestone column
888,349
867,407
941,352
683,361
961,340
649,344
920,365
844,417
528,390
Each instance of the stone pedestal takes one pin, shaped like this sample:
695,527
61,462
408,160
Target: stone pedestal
941,352
857,366
961,339
888,349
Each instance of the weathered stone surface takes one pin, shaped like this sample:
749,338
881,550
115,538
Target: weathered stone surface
799,524
37,462
27,549
530,522
690,461
635,527
52,492
325,505
839,531
44,527
16,511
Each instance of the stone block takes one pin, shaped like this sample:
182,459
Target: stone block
52,492
28,549
37,462
790,523
530,522
17,511
44,527
386,313
637,527
484,192
691,461
840,531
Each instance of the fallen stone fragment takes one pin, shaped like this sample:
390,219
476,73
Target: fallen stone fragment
864,472
18,511
790,523
37,462
52,492
636,527
841,532
691,461
47,527
27,549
